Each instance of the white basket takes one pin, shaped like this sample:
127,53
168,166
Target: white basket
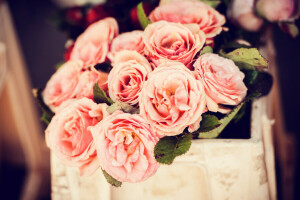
216,169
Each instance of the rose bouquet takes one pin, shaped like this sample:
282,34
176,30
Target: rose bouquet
126,102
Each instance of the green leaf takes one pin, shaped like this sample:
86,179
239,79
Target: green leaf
124,107
144,21
47,113
224,122
246,58
100,96
169,147
206,49
259,83
289,28
208,123
111,180
46,118
241,113
59,65
183,145
212,3
103,67
232,45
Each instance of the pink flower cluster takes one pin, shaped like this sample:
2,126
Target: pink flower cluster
157,71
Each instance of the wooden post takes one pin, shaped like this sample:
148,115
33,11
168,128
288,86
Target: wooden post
20,131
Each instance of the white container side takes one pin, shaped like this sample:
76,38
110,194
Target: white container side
213,169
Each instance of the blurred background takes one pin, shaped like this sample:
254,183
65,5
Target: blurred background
34,46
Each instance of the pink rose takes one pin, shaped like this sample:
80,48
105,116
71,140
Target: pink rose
72,81
87,80
127,41
125,147
172,41
68,135
126,79
209,20
172,99
223,81
92,45
243,13
276,10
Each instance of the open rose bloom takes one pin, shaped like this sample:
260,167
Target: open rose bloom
126,79
119,95
125,144
223,81
72,81
172,41
68,135
172,99
207,18
92,46
127,41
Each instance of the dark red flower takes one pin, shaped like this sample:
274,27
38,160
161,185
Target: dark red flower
74,15
96,13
